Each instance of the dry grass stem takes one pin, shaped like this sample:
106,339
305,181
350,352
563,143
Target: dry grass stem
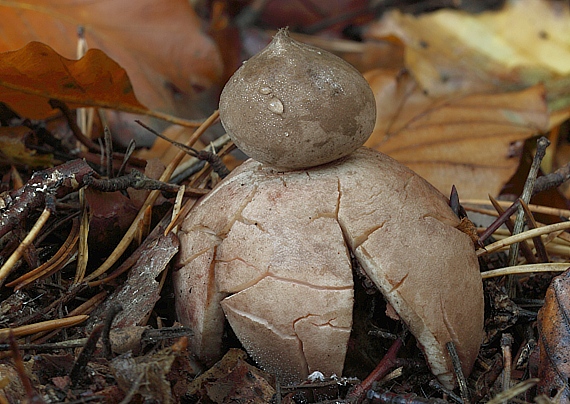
526,269
553,245
513,391
11,261
83,247
522,236
180,215
472,205
43,326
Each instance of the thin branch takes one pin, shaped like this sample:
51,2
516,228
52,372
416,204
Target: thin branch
217,165
58,181
541,146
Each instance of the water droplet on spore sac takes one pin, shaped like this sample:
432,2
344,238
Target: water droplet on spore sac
275,106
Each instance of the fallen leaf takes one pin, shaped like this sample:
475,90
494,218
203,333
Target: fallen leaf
13,148
12,386
554,340
461,140
31,76
146,375
525,43
232,379
159,43
111,214
317,15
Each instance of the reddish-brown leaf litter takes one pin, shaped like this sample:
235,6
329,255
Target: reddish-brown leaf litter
429,266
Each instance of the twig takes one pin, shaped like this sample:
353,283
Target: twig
537,241
506,343
217,165
90,144
441,388
527,252
542,184
135,179
388,362
552,180
222,145
528,189
108,155
58,181
130,149
461,381
69,344
105,339
85,354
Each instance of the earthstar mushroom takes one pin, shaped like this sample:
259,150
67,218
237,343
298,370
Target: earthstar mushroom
269,250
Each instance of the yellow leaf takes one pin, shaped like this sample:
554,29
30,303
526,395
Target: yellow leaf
525,43
464,140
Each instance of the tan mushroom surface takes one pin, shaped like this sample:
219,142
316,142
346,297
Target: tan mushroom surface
270,251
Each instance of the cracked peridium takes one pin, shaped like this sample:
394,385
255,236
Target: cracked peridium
282,261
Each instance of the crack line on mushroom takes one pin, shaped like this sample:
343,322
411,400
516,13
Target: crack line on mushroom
195,256
263,322
448,323
245,285
399,284
238,214
309,285
249,222
361,239
444,220
266,273
328,323
407,183
271,275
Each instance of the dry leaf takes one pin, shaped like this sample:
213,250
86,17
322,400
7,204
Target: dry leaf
159,43
525,43
13,148
465,141
111,214
31,76
554,341
230,380
146,375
